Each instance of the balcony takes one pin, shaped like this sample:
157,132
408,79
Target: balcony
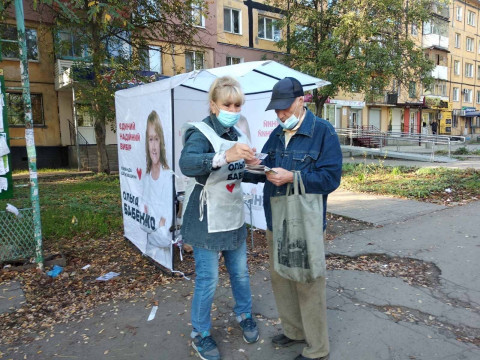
63,79
440,72
435,40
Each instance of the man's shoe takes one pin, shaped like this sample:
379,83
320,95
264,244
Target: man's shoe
205,346
301,357
283,341
249,328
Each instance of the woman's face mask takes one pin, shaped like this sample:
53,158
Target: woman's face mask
227,118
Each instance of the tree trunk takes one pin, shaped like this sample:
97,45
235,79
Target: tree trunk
102,156
319,102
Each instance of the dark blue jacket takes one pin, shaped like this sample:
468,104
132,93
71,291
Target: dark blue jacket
314,150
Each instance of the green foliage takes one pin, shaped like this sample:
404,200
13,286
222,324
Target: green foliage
74,206
461,151
410,182
361,44
109,41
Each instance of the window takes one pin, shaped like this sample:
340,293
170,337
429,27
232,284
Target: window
467,95
118,46
456,67
468,70
267,29
231,21
151,59
412,89
470,44
197,15
478,72
16,115
435,26
84,115
457,40
455,94
10,49
231,60
193,60
414,29
459,14
69,46
440,88
478,97
471,18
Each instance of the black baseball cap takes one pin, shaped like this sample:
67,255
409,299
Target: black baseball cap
284,93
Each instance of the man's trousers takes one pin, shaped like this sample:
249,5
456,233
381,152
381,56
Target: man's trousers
302,309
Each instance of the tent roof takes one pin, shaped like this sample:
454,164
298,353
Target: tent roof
255,77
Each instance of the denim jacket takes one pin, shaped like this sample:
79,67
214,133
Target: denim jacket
196,161
314,150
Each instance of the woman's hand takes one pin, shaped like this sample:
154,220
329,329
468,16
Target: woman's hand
162,222
239,151
281,177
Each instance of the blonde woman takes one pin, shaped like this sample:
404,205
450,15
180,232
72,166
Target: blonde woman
214,154
157,191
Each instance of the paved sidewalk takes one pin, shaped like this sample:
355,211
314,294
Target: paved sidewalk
371,317
377,210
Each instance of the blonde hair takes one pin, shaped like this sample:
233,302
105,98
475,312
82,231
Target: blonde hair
154,119
226,88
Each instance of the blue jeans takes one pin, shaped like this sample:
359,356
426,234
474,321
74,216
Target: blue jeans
206,270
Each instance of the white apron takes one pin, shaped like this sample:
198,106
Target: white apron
222,193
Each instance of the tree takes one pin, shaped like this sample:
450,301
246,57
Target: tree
112,36
356,44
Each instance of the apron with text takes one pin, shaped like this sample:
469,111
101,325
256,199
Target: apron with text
222,193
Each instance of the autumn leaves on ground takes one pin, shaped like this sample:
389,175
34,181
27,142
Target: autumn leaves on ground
81,222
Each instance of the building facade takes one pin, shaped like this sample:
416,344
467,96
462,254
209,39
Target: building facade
451,41
229,32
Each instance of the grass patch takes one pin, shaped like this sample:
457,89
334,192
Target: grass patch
70,206
428,184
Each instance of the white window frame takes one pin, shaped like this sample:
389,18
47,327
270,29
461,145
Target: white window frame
468,70
469,44
467,95
459,14
478,96
455,94
478,72
231,60
197,14
456,67
231,25
457,40
414,29
274,29
195,54
154,51
471,18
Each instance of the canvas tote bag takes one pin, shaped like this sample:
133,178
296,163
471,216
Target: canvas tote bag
297,221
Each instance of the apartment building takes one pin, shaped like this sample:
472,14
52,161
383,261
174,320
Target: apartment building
230,32
451,40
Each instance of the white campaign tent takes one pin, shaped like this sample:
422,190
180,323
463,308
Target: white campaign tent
177,100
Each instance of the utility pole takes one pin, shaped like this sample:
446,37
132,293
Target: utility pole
29,136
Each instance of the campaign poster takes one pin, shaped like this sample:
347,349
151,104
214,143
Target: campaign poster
258,126
144,134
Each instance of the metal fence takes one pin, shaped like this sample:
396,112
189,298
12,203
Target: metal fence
389,138
17,239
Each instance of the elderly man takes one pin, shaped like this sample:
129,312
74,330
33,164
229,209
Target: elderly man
305,143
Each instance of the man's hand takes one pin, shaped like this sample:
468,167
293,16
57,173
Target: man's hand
281,177
239,151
